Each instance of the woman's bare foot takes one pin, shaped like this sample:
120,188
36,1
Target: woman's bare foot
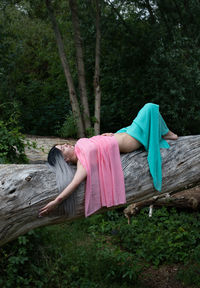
170,136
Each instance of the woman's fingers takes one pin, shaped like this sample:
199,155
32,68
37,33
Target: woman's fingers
46,209
43,211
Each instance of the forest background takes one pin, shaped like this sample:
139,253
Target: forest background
149,52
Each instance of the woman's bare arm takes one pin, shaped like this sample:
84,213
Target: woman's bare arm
79,176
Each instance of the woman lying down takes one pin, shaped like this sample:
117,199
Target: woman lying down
98,160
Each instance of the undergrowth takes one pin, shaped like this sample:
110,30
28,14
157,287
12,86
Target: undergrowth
104,251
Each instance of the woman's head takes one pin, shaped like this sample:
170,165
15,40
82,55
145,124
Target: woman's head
68,152
53,155
64,150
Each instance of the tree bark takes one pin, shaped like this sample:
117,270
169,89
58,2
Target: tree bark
97,88
80,63
188,198
24,189
72,92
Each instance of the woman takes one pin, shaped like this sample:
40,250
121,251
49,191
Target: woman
148,129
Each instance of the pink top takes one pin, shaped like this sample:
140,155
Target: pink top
100,156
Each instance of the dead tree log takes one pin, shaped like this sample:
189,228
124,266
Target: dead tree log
24,189
188,198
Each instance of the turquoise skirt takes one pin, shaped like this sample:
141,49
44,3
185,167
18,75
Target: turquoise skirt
148,128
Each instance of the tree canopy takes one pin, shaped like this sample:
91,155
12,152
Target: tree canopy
149,53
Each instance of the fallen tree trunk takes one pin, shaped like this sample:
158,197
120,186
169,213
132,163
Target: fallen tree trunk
24,189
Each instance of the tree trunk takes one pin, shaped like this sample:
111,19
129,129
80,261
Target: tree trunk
72,92
97,88
24,189
80,63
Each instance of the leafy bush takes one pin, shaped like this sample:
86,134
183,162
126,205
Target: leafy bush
190,274
12,143
66,256
103,251
69,128
20,262
167,237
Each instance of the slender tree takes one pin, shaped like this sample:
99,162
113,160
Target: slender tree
72,92
80,63
97,88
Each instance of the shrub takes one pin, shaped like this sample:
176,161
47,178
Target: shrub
103,251
190,274
12,143
69,128
20,262
167,237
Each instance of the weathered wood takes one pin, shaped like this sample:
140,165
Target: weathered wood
189,198
24,189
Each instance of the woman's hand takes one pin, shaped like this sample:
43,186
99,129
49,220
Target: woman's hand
107,134
48,208
79,176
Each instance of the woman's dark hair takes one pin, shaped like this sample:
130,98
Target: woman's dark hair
53,154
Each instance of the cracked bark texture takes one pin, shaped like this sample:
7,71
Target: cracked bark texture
24,189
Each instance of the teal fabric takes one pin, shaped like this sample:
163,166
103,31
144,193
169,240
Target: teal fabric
148,128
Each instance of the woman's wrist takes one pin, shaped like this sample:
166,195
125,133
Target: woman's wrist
58,200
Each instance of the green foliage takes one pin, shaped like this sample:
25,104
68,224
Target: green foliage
65,256
173,77
164,238
121,266
31,74
12,143
104,251
189,274
151,57
90,132
20,262
69,127
90,260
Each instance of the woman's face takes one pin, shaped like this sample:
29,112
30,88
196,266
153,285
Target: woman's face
68,152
